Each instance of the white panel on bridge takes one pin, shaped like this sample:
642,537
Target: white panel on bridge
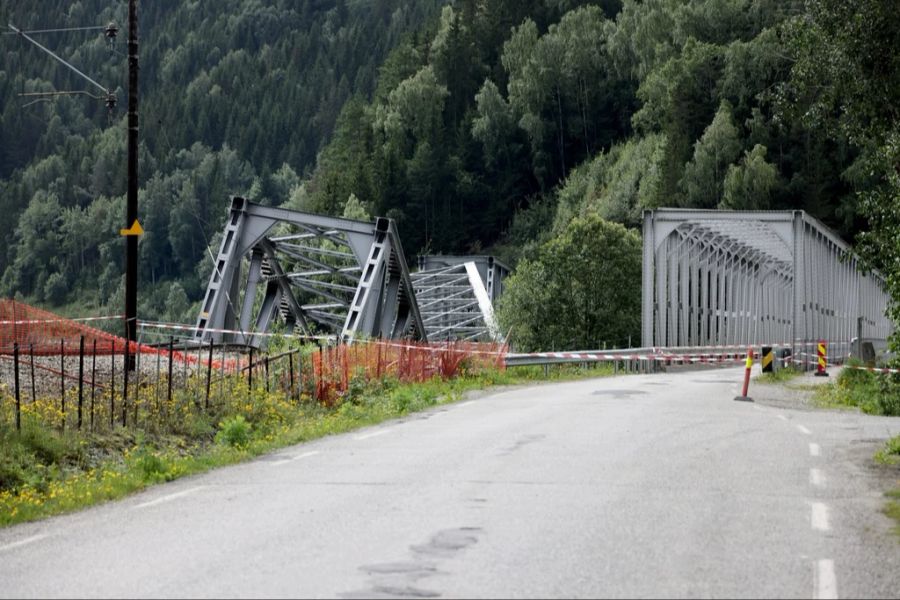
726,278
455,303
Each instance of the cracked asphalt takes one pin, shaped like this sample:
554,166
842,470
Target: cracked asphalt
633,486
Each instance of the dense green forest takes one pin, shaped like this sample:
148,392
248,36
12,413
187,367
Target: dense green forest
237,97
479,125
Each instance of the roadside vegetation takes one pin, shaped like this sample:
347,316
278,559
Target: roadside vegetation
46,471
855,389
872,393
780,376
889,455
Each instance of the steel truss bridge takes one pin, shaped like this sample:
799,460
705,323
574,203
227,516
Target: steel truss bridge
340,278
722,278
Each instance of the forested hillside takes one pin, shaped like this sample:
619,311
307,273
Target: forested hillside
609,109
479,125
237,97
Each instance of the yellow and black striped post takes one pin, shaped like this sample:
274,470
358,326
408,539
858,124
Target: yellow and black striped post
822,354
768,359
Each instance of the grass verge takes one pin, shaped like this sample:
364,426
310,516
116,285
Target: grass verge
890,455
46,472
872,393
892,508
779,376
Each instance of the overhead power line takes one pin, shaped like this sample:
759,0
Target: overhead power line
58,58
33,31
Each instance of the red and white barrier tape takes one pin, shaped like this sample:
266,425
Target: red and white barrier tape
692,358
46,321
435,347
879,370
176,327
654,356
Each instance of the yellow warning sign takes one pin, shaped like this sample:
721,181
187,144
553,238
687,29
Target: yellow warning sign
135,229
767,359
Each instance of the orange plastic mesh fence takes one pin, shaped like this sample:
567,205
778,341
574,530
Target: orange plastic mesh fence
335,367
43,333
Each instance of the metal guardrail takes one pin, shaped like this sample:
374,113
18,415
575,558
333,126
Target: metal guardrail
838,352
648,354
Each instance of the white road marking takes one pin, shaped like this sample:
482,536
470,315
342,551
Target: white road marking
756,406
782,417
466,403
804,430
819,517
825,587
815,450
816,478
170,497
371,435
285,461
306,455
21,543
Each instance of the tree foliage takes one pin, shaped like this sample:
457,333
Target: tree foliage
750,184
579,291
846,81
715,151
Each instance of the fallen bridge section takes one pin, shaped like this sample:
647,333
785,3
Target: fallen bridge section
320,274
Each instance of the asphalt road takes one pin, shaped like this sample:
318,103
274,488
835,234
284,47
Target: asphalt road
637,486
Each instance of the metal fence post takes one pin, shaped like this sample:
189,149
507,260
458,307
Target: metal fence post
80,379
125,370
222,371
33,386
158,371
93,381
209,373
171,357
62,380
16,379
250,374
112,387
291,373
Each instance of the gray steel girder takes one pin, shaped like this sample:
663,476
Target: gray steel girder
374,298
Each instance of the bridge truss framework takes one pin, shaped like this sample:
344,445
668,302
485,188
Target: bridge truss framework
347,277
339,278
726,278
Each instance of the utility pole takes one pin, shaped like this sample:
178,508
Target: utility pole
131,212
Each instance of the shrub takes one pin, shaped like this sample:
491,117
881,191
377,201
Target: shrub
890,453
583,287
403,400
234,432
851,377
12,473
873,394
888,400
151,466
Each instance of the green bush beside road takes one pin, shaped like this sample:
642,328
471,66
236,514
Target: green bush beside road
874,394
